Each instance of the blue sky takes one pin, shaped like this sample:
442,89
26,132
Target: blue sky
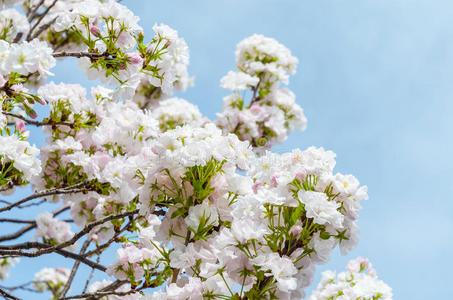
375,81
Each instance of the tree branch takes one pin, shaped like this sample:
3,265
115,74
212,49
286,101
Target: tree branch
44,27
37,123
76,188
29,35
27,228
12,249
74,269
7,295
81,54
32,14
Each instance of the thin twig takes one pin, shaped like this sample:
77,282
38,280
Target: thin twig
44,27
29,35
27,228
98,259
74,269
255,89
81,54
106,291
101,248
18,37
23,286
37,123
32,14
7,295
61,252
11,249
76,188
16,221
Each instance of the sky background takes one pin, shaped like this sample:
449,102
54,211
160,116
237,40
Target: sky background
375,82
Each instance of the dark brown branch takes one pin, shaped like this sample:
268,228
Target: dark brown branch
37,123
114,285
81,54
255,89
76,188
74,269
61,252
87,282
16,221
27,228
44,27
33,12
29,35
18,233
18,37
7,295
24,287
12,249
103,292
98,295
102,247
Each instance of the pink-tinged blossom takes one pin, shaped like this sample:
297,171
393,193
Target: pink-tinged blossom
358,282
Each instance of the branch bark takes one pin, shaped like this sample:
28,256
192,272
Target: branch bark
37,123
76,188
29,35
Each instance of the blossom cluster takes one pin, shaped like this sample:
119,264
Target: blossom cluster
52,230
263,63
5,264
197,208
104,145
12,23
19,161
359,282
51,279
264,231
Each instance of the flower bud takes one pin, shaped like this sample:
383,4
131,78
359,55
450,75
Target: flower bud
2,81
149,49
296,229
301,175
94,30
41,101
20,125
135,58
33,114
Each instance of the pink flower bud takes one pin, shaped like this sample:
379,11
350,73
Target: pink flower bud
301,175
256,109
2,81
94,237
20,125
168,43
295,230
94,30
255,187
274,182
33,115
135,58
41,101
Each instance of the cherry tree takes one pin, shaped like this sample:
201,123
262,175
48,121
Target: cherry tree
194,208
